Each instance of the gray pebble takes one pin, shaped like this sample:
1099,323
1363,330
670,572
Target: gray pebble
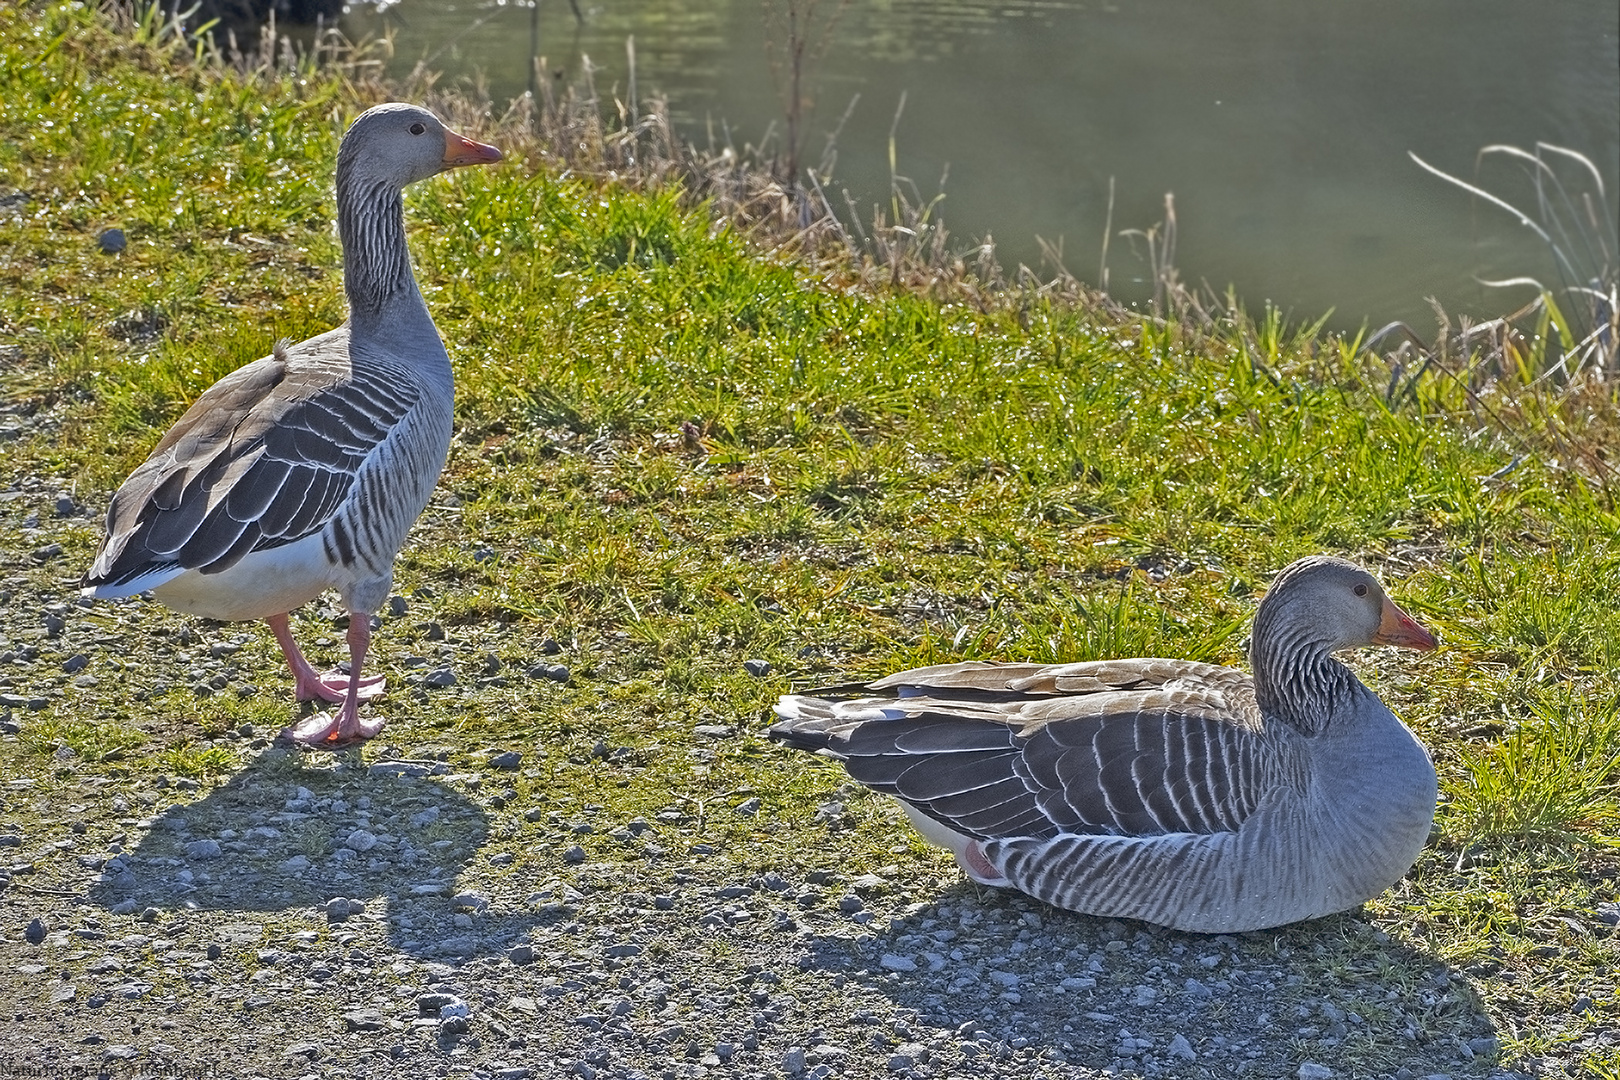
76,663
432,1006
757,668
34,933
1312,1071
574,854
112,241
439,677
340,908
506,762
363,1020
203,849
521,954
65,506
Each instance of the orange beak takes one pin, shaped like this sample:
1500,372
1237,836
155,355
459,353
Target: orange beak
460,150
1399,628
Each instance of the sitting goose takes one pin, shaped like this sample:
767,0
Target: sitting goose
304,470
1183,794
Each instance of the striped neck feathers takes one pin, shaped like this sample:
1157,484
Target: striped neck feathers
376,262
1296,678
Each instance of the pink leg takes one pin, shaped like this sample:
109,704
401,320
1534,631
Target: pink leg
330,732
310,686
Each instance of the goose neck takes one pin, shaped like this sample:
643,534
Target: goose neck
376,263
1297,680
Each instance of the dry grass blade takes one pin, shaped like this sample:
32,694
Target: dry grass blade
1579,231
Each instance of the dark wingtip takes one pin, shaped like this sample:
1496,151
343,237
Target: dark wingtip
799,735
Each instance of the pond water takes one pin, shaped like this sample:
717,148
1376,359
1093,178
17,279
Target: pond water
1282,128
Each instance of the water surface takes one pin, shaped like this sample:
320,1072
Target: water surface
1281,127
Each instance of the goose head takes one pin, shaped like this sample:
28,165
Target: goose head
1314,608
398,144
1324,604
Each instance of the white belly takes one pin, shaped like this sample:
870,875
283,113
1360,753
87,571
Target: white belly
261,584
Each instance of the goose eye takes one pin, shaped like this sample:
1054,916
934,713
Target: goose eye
1361,590
418,127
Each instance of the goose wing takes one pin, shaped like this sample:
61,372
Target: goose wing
262,458
1112,748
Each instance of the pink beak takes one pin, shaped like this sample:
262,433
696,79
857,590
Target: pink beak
1399,628
460,150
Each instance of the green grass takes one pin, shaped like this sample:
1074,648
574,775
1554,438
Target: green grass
868,479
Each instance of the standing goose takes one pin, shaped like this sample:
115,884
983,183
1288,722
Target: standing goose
304,470
1178,793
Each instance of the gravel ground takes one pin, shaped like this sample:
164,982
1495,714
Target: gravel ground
401,915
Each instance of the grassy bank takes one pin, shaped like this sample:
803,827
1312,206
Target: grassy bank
676,454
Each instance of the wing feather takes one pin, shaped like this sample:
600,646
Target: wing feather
1122,748
264,457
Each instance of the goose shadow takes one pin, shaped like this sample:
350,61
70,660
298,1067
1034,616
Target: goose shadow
285,835
1013,975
